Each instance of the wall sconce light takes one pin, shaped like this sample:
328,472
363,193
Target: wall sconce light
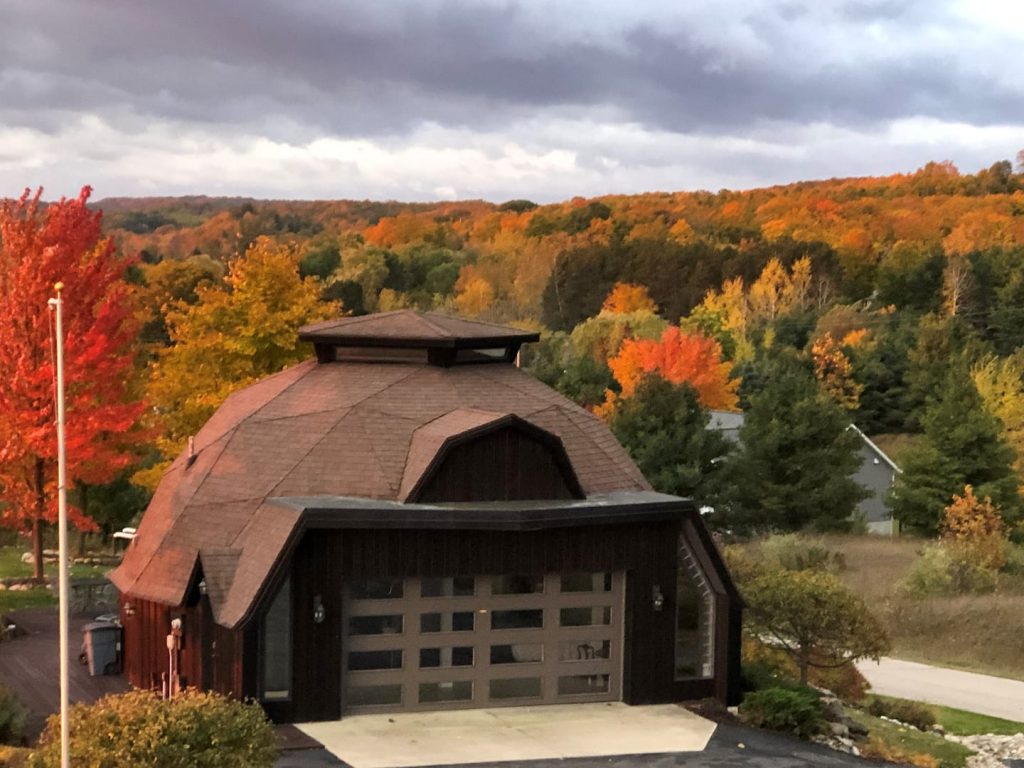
657,598
202,587
319,613
129,610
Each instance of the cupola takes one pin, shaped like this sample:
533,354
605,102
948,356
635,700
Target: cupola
411,336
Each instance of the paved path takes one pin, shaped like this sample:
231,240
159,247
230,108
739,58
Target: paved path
987,695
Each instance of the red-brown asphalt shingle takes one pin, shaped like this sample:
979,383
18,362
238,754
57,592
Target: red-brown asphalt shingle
336,429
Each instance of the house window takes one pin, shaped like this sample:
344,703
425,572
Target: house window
276,633
695,619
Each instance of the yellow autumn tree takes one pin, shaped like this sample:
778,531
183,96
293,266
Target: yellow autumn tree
237,332
474,295
628,297
1000,383
834,372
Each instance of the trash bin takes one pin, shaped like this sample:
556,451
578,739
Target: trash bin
102,642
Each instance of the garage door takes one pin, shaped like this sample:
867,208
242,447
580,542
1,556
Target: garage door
482,641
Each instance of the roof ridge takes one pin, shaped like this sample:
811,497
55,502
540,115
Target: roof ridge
376,456
344,412
474,321
423,318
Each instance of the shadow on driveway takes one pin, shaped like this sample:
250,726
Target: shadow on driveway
761,749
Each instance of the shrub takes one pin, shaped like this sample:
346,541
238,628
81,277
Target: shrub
12,717
795,552
846,681
948,568
793,709
877,749
140,729
13,757
931,572
913,713
1014,564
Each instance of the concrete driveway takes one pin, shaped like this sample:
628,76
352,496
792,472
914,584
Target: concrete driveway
731,746
516,734
987,695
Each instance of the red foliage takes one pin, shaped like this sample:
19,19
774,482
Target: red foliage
39,246
678,357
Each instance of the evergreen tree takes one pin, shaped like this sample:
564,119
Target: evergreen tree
794,469
880,368
664,428
962,445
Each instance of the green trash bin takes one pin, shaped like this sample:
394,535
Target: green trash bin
102,643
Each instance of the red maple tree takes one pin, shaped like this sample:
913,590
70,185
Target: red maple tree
41,245
678,357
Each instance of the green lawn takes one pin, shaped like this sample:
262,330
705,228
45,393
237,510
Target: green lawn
12,567
33,598
965,723
948,753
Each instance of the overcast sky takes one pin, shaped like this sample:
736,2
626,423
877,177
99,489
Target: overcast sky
427,100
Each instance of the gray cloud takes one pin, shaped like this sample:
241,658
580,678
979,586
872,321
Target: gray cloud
348,69
496,71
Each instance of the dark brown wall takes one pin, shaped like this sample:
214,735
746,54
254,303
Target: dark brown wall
210,655
324,559
503,465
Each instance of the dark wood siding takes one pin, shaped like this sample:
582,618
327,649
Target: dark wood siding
227,660
325,559
145,643
503,465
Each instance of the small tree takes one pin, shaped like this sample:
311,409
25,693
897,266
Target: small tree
973,532
962,446
814,618
664,428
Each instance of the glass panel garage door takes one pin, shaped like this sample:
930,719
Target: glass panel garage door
482,641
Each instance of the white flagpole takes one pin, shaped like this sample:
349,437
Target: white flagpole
62,532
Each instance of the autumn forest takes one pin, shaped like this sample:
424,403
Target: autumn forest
894,303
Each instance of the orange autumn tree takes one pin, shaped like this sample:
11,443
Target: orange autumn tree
677,357
40,246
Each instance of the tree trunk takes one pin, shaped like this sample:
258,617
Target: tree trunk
37,523
803,661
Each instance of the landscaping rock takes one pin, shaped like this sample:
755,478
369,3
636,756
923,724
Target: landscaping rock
837,743
856,729
28,557
833,707
840,730
992,749
938,729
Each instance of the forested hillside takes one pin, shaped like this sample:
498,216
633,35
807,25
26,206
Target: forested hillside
895,303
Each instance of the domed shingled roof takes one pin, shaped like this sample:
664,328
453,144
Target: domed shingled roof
363,430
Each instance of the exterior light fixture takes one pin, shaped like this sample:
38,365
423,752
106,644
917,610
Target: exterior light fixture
319,613
657,598
129,609
202,587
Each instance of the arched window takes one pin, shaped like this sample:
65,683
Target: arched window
695,618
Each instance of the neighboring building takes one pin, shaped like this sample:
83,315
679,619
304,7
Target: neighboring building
877,472
410,522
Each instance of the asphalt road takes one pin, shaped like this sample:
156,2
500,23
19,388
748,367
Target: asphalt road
987,695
